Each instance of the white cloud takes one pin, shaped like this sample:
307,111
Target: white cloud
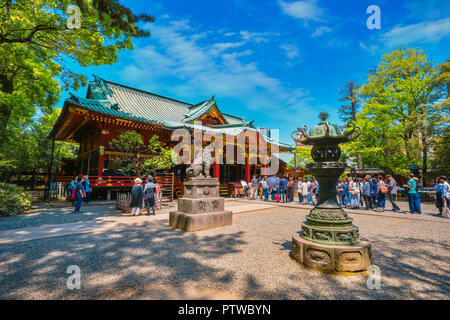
372,48
290,50
257,36
429,31
179,65
304,10
320,31
223,46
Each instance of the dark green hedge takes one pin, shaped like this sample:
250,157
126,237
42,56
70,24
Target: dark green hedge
13,200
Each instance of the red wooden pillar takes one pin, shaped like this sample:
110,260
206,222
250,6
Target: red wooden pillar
216,171
101,156
247,172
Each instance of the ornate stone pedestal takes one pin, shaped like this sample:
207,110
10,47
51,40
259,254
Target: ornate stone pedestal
201,207
332,258
329,241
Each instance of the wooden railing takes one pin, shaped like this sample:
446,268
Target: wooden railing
165,180
123,201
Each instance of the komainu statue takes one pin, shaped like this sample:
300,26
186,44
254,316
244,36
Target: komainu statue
202,164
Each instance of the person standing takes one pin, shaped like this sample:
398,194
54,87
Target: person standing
244,188
439,188
308,184
382,191
265,188
79,194
149,195
340,190
284,189
366,193
87,189
412,193
349,193
417,197
291,185
299,190
355,190
392,191
373,193
446,193
137,197
316,191
254,187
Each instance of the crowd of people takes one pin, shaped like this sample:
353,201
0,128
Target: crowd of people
80,188
369,193
280,190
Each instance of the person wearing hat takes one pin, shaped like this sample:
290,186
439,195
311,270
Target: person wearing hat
137,197
149,195
440,194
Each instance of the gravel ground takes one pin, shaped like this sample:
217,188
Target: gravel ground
45,214
249,259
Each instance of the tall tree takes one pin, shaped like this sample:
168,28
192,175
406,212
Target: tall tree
440,142
38,39
399,113
302,156
348,111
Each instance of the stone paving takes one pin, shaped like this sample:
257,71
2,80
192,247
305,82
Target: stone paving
249,259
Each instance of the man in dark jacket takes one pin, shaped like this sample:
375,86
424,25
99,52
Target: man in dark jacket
137,197
149,195
284,188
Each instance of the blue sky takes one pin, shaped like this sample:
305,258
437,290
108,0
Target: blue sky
278,62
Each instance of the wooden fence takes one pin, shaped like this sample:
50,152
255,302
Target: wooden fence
123,201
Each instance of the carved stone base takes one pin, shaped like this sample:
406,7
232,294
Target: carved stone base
201,207
330,257
199,221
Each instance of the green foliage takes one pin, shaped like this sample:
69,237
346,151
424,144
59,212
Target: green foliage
13,200
28,149
440,158
37,47
344,174
400,113
302,156
138,156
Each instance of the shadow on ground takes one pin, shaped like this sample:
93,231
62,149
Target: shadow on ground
111,262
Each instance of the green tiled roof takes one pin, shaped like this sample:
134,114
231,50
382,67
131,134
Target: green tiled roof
197,111
117,100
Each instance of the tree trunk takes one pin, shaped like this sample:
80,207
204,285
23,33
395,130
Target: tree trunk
5,109
424,156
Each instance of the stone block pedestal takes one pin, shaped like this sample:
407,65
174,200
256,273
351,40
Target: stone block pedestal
201,207
332,258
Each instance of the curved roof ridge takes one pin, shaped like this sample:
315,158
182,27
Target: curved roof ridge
142,91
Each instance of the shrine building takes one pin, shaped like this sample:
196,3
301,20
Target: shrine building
109,108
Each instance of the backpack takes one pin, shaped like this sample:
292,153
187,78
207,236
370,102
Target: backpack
356,188
149,192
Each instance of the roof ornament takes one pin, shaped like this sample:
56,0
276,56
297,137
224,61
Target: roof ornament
74,98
